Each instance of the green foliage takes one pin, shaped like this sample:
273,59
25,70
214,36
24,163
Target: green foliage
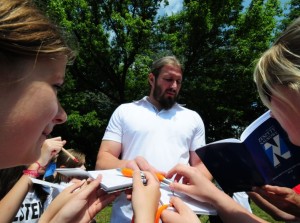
77,121
217,42
114,44
292,11
221,41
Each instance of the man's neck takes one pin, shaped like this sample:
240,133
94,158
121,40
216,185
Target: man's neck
154,103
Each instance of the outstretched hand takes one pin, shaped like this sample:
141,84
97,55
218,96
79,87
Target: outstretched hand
280,202
195,183
78,203
199,187
145,211
140,163
183,213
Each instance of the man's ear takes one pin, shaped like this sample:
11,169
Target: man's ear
151,79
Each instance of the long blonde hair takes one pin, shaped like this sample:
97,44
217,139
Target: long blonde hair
279,65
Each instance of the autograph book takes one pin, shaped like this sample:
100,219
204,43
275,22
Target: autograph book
262,155
198,207
113,180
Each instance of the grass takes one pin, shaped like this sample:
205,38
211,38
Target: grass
104,215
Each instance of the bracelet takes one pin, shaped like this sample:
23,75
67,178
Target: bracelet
31,173
40,166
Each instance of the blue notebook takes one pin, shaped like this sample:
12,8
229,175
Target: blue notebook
262,155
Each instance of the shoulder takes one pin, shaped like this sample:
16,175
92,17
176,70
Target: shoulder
183,109
132,105
189,114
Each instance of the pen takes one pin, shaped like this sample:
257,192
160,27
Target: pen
70,155
127,172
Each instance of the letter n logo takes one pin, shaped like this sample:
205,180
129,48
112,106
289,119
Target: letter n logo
276,149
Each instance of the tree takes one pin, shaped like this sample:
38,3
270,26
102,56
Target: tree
219,41
292,12
114,43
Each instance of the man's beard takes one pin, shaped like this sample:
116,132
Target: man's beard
165,102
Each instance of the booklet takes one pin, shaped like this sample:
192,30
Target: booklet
262,155
112,179
59,187
200,208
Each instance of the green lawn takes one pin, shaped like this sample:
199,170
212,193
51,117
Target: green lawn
104,215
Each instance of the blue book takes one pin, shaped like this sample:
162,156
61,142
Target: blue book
262,155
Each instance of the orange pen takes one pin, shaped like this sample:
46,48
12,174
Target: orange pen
127,172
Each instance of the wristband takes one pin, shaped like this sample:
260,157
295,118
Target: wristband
31,173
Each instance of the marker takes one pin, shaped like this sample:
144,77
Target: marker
160,210
127,172
70,155
163,179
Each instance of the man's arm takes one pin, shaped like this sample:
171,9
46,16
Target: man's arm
108,155
108,158
195,161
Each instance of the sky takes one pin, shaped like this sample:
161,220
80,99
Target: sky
173,7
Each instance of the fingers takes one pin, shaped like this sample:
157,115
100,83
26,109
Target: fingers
184,170
58,138
171,216
143,164
132,165
179,187
51,147
278,190
104,199
183,214
179,170
180,206
75,186
137,182
264,192
150,177
139,163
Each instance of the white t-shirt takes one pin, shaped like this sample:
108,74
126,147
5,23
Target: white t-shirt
31,209
164,138
53,193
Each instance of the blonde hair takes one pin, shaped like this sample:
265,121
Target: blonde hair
160,63
25,31
64,160
279,65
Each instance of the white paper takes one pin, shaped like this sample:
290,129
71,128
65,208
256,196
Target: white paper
197,206
112,179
